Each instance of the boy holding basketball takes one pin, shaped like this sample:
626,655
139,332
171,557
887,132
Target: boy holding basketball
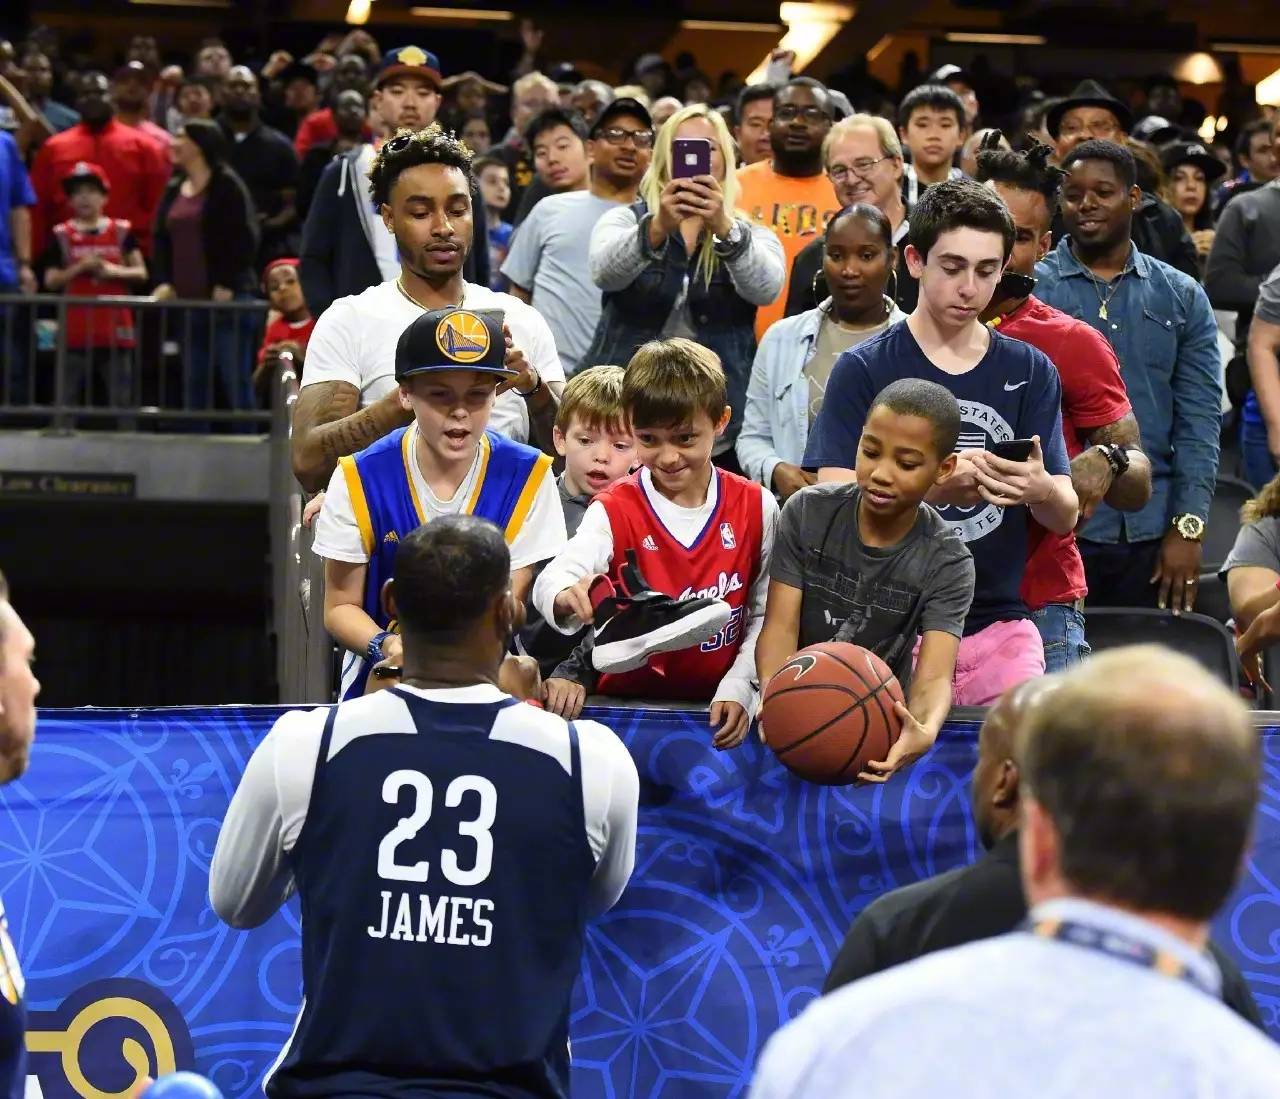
869,562
1012,463
695,533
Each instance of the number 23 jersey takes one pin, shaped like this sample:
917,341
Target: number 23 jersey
447,848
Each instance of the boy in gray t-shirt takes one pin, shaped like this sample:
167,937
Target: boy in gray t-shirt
872,564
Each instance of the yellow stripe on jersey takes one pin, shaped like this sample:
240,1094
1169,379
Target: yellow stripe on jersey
406,452
540,469
484,468
359,505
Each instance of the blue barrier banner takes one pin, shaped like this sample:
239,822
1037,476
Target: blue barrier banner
746,880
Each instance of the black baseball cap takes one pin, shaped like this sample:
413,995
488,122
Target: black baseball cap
620,107
453,339
299,70
1193,152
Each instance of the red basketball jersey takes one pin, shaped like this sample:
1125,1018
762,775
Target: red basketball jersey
95,326
723,563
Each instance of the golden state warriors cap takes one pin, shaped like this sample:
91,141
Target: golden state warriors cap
453,339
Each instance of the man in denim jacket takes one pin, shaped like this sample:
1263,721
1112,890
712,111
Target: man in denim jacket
1161,325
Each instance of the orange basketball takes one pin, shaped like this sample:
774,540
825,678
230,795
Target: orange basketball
829,710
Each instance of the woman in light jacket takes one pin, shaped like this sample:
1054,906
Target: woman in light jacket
797,354
680,263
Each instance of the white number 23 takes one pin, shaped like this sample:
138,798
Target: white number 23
476,830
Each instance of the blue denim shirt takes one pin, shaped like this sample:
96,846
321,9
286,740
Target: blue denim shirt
1161,325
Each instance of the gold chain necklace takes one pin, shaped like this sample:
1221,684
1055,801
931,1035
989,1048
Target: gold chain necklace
427,308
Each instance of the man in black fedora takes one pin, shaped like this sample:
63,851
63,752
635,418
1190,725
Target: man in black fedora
1089,112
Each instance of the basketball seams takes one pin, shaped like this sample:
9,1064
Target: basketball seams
863,685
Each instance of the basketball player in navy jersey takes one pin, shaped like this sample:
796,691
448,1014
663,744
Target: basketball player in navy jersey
18,690
447,843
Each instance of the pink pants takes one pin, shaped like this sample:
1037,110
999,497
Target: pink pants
994,660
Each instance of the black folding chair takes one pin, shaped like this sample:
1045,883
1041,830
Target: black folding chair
1205,640
1229,495
1211,598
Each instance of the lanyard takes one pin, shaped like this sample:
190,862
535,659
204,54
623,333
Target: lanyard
1121,946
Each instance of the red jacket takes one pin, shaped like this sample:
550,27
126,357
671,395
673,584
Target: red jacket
135,164
319,128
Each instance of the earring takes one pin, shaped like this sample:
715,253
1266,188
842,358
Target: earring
816,275
893,282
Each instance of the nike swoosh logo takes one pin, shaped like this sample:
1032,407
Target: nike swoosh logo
1010,388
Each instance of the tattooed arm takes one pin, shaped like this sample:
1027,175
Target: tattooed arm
1091,473
328,422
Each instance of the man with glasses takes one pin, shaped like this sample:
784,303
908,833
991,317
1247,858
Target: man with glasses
789,193
547,265
863,159
1091,113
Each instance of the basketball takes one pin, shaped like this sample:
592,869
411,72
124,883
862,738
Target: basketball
829,710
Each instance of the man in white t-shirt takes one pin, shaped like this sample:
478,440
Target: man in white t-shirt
548,263
422,185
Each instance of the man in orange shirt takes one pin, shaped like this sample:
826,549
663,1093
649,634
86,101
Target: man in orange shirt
790,193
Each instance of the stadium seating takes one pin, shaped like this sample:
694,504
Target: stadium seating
1212,599
1196,635
1229,495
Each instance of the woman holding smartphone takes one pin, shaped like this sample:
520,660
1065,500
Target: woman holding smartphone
681,262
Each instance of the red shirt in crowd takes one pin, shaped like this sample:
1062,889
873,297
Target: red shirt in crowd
134,163
113,240
281,331
319,128
1093,395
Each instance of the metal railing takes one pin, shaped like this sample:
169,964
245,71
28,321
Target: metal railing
304,650
67,361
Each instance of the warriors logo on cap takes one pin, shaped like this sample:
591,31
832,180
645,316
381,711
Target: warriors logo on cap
463,337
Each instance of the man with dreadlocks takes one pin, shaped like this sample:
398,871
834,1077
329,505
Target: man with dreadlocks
421,184
1098,424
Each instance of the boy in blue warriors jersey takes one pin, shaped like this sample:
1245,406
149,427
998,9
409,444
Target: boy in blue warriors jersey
449,363
447,845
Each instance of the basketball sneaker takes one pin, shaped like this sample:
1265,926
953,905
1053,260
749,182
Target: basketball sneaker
634,622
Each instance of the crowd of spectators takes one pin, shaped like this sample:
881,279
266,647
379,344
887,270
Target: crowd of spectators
777,225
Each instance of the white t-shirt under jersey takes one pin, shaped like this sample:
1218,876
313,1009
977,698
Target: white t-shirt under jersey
355,342
541,537
250,876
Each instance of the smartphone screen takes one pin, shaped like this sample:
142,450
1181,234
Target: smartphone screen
690,156
1013,450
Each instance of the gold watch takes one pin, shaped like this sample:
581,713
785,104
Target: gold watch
1191,527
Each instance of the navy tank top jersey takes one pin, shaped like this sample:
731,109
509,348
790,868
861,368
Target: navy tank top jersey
443,870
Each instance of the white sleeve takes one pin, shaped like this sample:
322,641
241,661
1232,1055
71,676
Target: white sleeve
539,346
739,682
249,878
510,416
784,1064
333,352
337,534
543,534
589,551
610,798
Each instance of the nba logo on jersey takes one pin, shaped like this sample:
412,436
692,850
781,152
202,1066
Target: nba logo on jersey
649,543
726,536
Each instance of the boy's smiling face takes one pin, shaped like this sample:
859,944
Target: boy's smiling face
678,454
898,462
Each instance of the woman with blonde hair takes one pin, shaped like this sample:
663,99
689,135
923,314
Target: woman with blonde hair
680,261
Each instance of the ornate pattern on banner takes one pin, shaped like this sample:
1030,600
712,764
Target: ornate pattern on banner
746,880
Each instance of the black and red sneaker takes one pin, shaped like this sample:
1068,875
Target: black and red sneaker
633,622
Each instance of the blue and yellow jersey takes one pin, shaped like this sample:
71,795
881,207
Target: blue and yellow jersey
387,508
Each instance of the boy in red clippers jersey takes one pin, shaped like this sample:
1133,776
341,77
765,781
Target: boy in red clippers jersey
695,532
92,255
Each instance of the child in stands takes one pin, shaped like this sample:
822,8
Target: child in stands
869,562
701,537
449,363
594,439
288,333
